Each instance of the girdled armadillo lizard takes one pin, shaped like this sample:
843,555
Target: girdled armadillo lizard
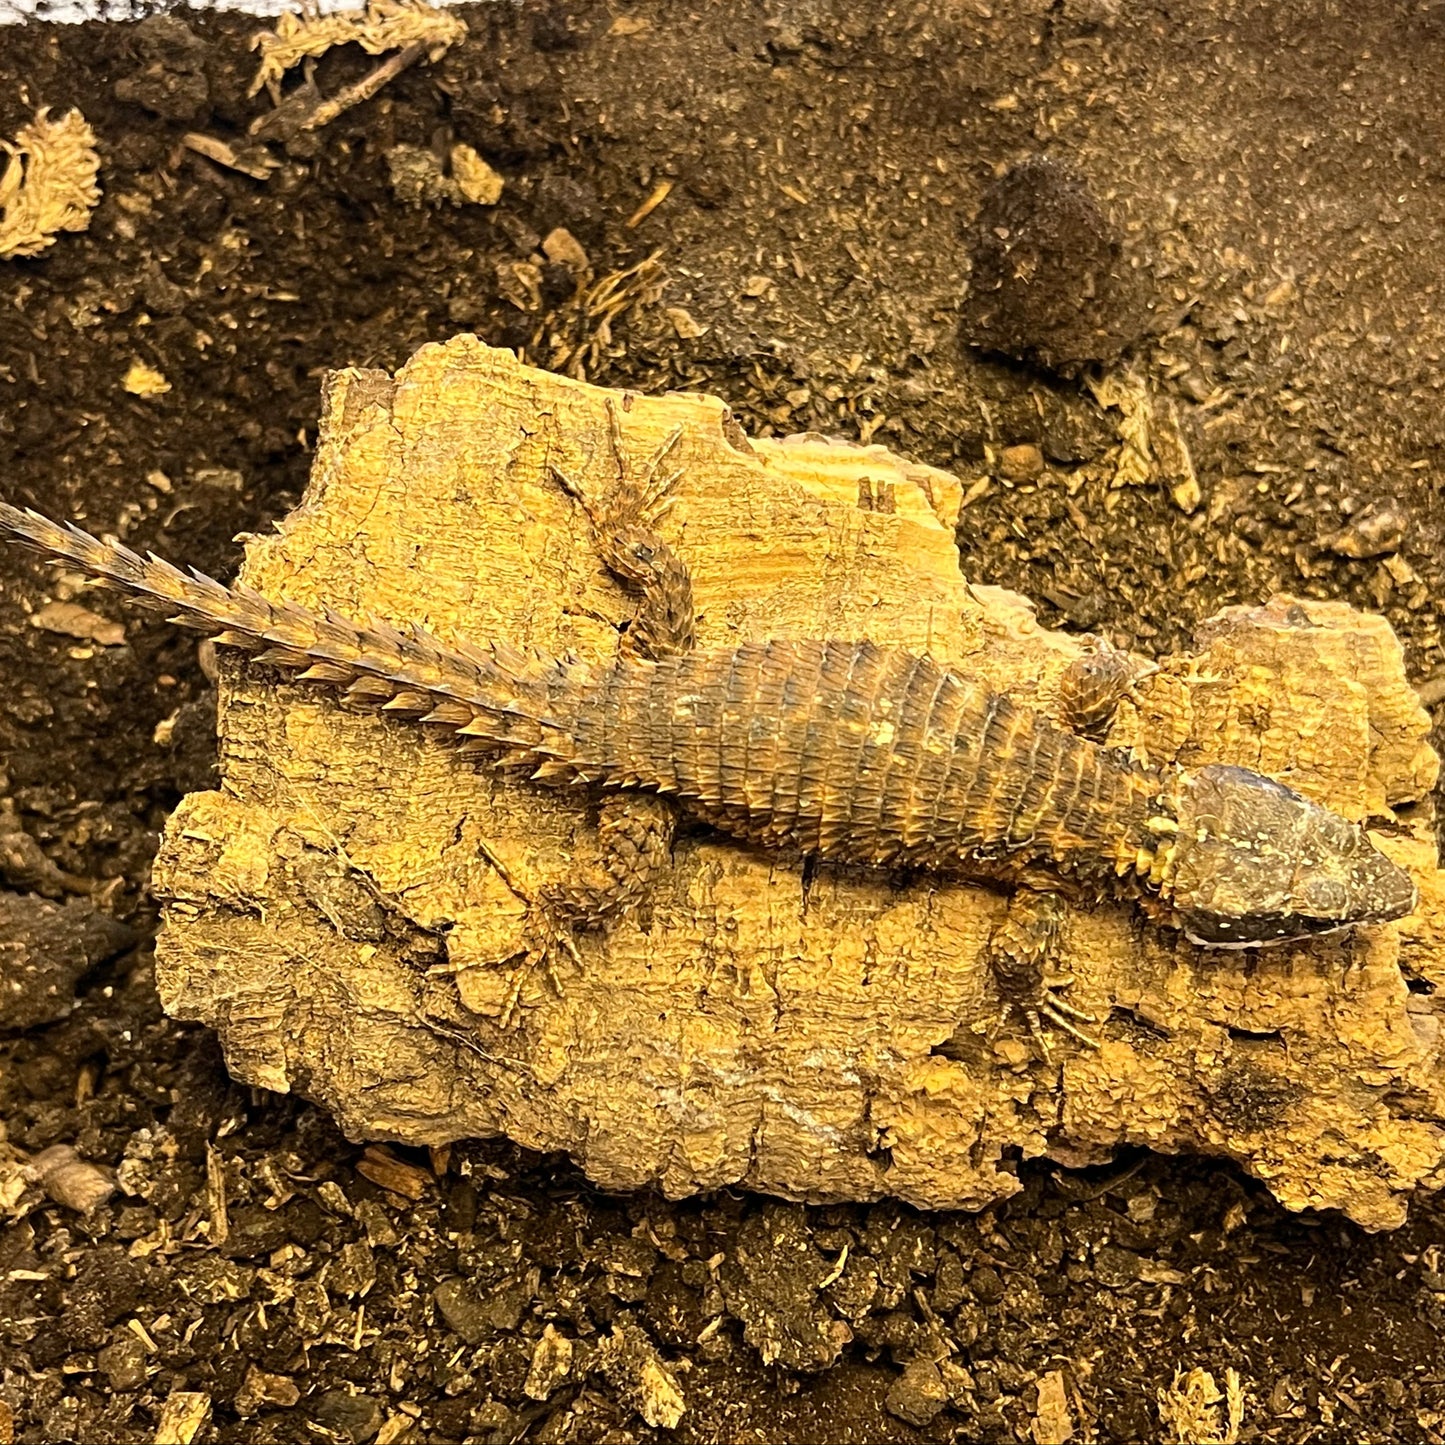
849,750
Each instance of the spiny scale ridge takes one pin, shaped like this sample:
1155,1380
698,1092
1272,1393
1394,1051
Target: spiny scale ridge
495,697
852,750
866,754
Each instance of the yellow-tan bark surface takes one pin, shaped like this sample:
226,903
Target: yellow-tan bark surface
336,908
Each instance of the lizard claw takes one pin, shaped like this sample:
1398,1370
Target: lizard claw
544,937
1019,952
640,497
1050,1008
1061,1013
539,947
542,940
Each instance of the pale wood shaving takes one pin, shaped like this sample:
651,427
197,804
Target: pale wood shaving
384,25
1190,1408
49,184
1128,394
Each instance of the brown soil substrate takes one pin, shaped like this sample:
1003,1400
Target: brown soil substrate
1273,178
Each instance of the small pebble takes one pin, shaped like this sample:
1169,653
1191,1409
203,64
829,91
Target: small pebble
1375,531
123,1362
462,1310
70,1180
347,1417
1117,1268
260,1389
987,1284
1021,463
918,1394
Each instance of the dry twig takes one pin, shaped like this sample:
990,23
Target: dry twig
582,327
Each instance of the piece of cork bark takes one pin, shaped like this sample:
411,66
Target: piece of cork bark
823,1034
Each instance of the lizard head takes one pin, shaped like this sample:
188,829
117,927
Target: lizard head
1254,862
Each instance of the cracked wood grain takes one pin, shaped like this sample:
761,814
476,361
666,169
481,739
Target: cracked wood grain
822,1034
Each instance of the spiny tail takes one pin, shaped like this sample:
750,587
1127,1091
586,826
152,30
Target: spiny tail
497,699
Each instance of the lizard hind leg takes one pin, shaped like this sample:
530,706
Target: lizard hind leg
1019,954
635,831
634,844
624,521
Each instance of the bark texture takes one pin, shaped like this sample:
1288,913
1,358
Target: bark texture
334,910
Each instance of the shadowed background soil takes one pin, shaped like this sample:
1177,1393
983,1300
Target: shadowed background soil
1262,203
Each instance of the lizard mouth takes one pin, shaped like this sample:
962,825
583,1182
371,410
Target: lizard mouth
1213,931
1380,889
1377,891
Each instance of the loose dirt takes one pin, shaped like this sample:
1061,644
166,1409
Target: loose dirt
1272,178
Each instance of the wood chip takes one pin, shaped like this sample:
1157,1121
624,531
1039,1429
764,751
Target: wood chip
476,181
253,160
683,323
386,1171
564,249
143,380
70,619
1052,1424
183,1416
216,1196
658,196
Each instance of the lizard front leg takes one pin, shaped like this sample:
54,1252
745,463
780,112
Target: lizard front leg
624,522
1019,953
1022,946
1095,683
